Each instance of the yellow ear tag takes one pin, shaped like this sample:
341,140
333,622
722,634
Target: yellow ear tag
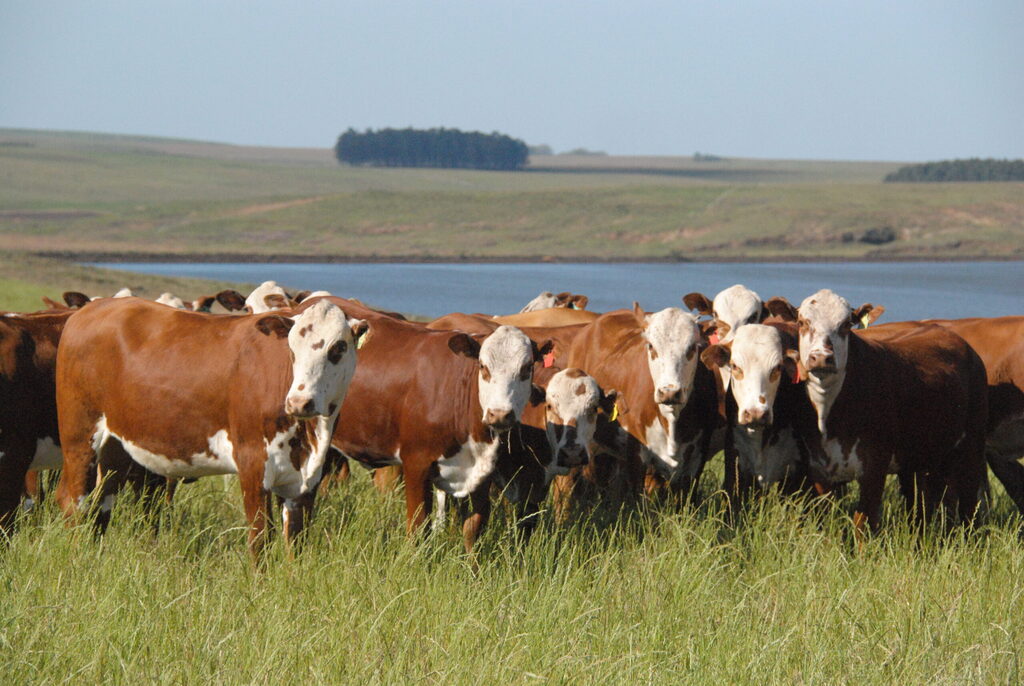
864,321
615,413
362,340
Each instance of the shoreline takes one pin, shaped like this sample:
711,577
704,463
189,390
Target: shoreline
251,258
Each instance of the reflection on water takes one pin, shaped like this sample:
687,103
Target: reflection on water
915,290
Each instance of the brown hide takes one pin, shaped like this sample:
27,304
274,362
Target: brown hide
917,397
167,380
552,316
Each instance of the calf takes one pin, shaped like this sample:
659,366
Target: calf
186,395
28,411
437,403
914,401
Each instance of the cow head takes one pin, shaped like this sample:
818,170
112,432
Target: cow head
266,297
505,377
671,337
573,400
323,350
757,363
825,320
732,308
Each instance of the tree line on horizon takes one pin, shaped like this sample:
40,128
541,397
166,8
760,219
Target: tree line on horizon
974,169
439,147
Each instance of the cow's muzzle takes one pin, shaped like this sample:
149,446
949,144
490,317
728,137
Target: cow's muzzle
669,395
824,362
499,420
755,418
300,407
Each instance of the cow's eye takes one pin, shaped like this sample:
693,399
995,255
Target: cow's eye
776,373
336,351
524,373
485,373
736,371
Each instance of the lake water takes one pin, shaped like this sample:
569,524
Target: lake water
914,290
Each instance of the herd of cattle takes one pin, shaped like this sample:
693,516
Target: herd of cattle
555,400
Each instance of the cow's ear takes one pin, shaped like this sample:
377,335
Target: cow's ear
274,325
464,344
707,327
74,299
609,399
865,315
52,304
360,331
781,308
579,302
231,300
537,394
300,296
542,349
563,299
764,314
698,302
717,355
639,314
204,303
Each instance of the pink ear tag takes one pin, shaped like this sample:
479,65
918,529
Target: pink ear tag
549,359
796,374
713,338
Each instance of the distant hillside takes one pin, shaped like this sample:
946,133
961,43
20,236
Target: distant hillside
973,170
74,194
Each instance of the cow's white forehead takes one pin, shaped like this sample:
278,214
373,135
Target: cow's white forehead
736,303
825,309
671,327
757,343
542,301
572,394
323,322
508,347
171,300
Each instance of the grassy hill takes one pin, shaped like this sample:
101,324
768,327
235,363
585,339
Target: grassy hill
76,193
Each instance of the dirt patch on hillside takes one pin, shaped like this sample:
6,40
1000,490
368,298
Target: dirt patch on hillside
46,215
250,210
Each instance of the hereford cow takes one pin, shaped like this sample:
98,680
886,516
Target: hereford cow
999,342
668,406
437,403
28,411
188,395
914,401
548,299
768,414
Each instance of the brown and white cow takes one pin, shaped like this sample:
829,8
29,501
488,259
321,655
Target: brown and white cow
28,411
913,401
552,316
186,395
768,414
999,341
668,404
437,403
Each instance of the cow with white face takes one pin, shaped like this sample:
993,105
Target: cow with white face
504,381
573,399
910,401
653,360
732,308
767,410
266,297
256,396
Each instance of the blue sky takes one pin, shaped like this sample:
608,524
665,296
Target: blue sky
796,79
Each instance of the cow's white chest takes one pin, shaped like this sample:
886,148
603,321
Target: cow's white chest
767,461
48,455
464,472
839,465
279,474
660,447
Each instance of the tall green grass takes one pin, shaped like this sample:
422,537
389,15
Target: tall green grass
660,594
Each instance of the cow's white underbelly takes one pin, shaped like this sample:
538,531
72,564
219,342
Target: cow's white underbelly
464,472
218,458
48,455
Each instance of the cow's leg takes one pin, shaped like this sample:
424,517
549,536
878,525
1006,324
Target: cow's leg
527,517
562,488
15,456
1010,473
77,477
295,515
417,493
475,522
386,478
336,470
872,484
256,501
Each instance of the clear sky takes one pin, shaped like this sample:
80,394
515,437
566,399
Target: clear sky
903,80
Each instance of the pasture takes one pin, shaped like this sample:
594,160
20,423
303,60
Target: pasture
663,596
86,193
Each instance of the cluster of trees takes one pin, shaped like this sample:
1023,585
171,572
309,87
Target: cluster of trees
448,148
961,170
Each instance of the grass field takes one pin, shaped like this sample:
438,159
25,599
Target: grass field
86,193
661,596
